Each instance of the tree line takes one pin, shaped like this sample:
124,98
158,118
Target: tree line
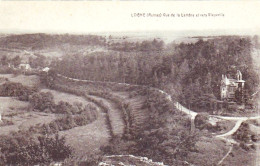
186,70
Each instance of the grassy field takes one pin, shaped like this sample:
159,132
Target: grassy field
210,151
66,97
89,138
16,111
30,81
84,139
240,157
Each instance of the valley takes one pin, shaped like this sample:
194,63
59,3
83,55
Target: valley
106,101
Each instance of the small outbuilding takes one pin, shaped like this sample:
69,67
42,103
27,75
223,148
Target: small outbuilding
46,69
25,67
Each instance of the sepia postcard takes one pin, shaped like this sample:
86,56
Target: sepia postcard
129,83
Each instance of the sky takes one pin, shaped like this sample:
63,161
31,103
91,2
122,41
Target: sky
234,17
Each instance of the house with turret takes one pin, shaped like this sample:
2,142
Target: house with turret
232,89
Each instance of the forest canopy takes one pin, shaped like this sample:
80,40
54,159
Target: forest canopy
189,70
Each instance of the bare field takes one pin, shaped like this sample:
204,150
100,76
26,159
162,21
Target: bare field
30,81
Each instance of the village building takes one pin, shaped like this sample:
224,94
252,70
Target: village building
46,69
231,89
25,67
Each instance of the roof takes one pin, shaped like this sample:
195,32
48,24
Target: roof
231,81
46,69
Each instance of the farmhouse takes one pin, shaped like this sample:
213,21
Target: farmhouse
232,89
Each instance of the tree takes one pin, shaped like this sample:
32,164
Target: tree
4,60
16,61
42,101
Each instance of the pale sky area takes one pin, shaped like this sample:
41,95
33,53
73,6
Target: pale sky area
88,17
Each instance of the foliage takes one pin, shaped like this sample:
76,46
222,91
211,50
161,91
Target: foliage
25,149
144,46
191,69
42,100
5,122
164,138
68,121
48,79
5,61
11,89
201,121
243,134
41,40
89,160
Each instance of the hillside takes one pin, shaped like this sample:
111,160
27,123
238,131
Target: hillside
42,41
139,102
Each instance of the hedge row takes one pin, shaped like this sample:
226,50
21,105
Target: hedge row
100,104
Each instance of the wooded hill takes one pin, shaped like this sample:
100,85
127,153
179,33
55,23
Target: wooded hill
188,71
42,41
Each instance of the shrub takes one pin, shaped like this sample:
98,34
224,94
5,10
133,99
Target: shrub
89,160
55,147
6,122
24,148
243,134
201,121
42,100
63,108
11,89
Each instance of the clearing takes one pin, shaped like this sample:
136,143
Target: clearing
66,97
31,80
16,112
89,138
84,139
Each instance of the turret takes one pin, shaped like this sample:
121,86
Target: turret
239,75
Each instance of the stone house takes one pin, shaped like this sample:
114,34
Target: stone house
232,89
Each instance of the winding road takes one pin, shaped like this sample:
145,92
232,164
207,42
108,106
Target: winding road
183,109
193,114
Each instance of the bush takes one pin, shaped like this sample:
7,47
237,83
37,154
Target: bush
63,108
243,134
90,160
6,123
24,149
201,121
11,89
42,100
244,146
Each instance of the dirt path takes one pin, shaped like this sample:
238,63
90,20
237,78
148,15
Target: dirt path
186,110
115,116
229,151
231,132
193,114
